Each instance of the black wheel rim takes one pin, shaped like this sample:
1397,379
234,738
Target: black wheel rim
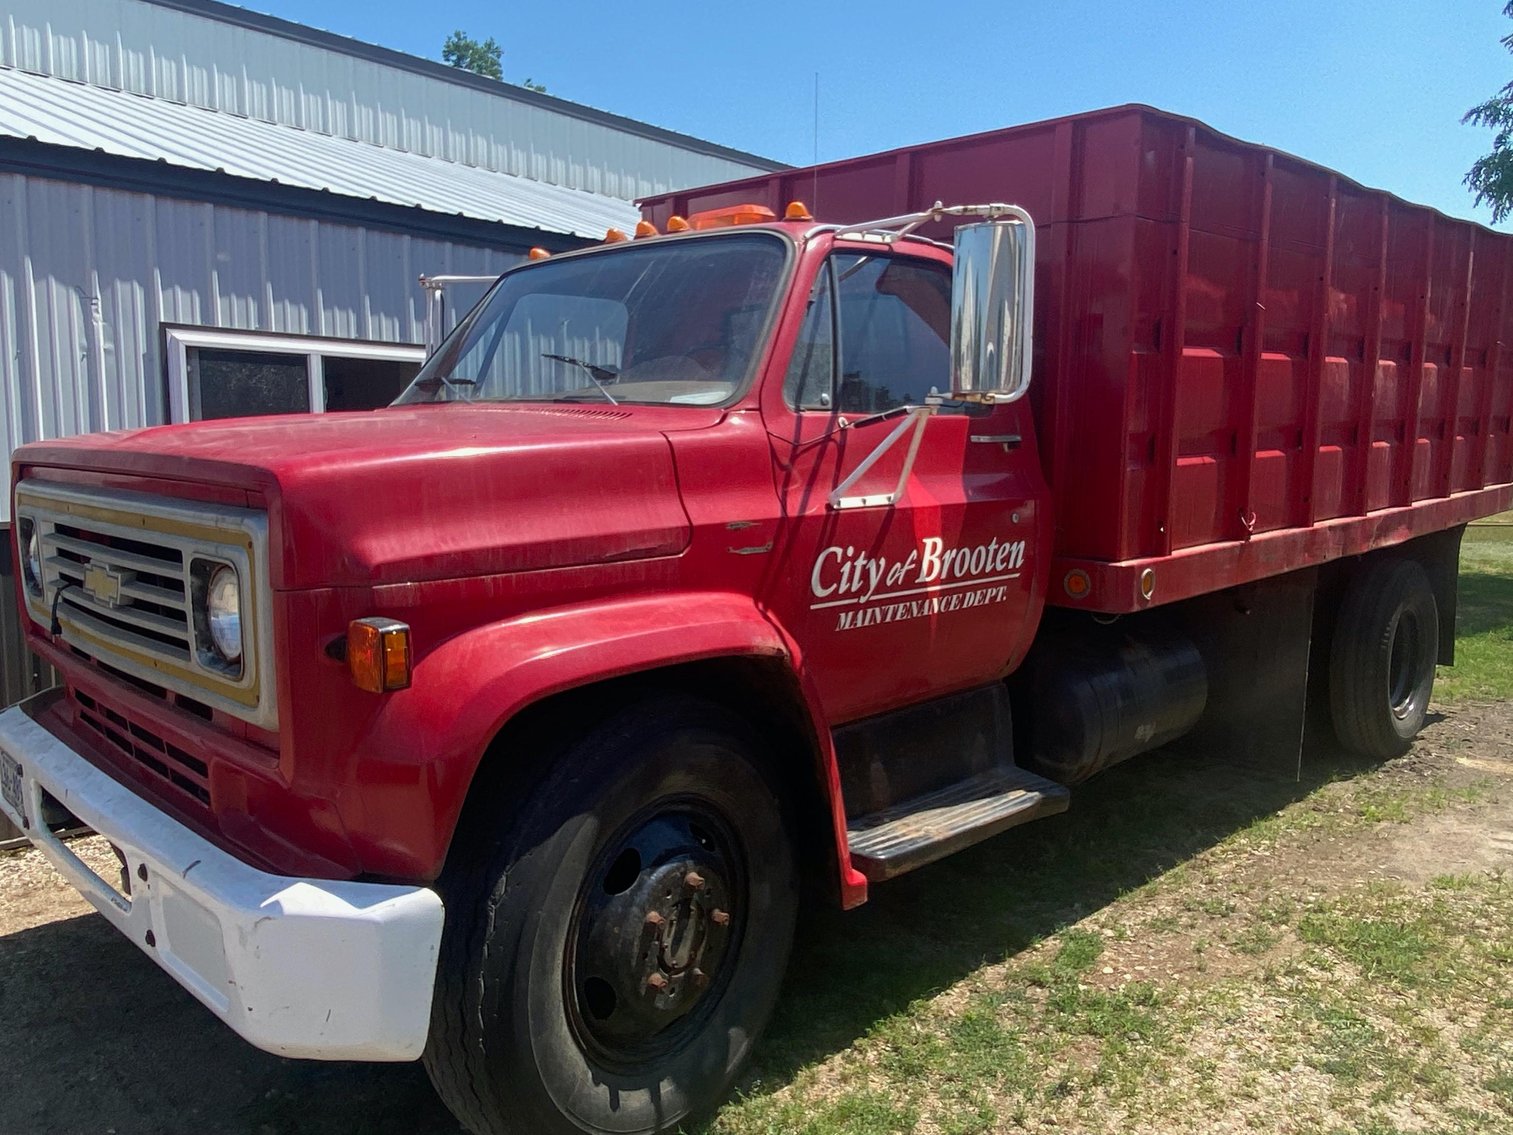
654,933
1403,667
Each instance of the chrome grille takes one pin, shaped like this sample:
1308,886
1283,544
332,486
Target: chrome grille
123,576
128,589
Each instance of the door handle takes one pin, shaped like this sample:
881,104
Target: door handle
1008,441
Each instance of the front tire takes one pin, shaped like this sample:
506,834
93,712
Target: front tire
1382,659
610,958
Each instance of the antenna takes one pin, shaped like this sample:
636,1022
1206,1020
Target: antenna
814,193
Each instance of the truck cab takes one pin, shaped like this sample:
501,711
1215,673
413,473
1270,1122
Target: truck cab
568,632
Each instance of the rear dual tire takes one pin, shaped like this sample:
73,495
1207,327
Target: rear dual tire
611,955
1382,658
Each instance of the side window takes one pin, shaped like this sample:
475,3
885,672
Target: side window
894,323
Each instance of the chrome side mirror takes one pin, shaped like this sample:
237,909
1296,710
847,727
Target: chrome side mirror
993,308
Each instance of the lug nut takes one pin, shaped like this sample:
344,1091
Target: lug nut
656,982
694,881
720,917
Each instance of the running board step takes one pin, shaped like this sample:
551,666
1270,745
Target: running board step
933,825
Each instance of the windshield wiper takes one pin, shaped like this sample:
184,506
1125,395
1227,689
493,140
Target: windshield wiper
433,383
600,374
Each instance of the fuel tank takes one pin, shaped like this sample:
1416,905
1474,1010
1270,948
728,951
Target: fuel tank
1091,695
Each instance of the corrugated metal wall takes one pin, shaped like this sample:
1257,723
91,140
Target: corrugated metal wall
147,49
88,275
21,674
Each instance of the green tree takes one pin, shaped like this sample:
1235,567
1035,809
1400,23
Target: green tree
1491,178
462,50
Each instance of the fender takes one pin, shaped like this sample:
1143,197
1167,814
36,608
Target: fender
429,739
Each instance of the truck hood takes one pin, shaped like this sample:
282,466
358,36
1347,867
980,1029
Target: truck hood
424,492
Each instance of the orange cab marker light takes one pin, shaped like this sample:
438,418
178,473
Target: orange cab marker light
797,211
1077,583
676,224
732,215
378,654
615,236
538,254
646,228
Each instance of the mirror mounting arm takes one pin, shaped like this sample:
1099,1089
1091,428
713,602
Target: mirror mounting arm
915,420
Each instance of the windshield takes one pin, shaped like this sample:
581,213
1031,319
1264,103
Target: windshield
675,322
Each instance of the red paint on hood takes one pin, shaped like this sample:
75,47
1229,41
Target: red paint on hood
414,493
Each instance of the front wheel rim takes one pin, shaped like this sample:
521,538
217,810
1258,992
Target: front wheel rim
654,933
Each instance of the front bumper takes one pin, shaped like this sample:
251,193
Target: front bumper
299,967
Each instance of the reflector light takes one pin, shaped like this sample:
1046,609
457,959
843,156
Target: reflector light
615,236
797,211
645,228
732,215
676,224
538,254
378,654
1077,583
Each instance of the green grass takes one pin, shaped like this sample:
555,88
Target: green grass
1483,667
1389,997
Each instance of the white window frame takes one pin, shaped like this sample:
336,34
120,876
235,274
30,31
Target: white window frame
315,350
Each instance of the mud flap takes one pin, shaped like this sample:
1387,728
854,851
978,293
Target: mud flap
1255,641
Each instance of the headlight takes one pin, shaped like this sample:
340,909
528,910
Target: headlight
33,557
223,611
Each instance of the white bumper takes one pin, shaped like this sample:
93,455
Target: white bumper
299,967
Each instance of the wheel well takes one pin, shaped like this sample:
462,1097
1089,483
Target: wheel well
763,692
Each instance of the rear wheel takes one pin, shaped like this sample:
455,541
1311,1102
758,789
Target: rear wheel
1382,659
608,963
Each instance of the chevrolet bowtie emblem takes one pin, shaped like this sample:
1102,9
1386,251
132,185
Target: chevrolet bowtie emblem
103,584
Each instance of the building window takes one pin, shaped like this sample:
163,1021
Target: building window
228,374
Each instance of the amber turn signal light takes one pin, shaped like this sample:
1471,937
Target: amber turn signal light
378,654
734,215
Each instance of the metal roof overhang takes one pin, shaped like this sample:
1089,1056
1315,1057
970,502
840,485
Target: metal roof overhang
51,112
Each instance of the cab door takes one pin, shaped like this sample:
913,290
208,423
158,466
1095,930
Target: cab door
940,590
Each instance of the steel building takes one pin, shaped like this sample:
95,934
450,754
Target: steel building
207,212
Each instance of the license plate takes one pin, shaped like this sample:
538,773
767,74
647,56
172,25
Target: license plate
10,783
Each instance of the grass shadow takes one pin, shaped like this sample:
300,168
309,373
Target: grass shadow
1485,603
926,931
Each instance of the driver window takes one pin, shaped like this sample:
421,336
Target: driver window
893,321
810,380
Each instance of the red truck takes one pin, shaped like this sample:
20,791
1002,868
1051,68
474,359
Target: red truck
504,727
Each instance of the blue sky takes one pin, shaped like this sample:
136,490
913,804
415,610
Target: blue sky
1375,90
